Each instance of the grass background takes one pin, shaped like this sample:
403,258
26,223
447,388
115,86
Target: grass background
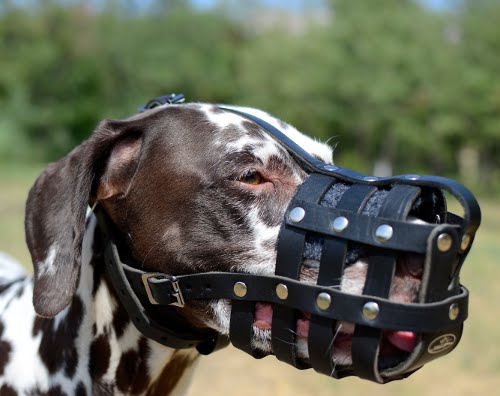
472,369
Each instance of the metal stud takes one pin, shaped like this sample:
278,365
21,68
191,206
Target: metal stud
240,289
465,242
370,310
297,214
331,168
444,242
412,177
384,232
454,311
340,224
323,300
370,178
282,291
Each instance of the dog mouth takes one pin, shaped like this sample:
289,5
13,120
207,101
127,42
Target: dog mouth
394,343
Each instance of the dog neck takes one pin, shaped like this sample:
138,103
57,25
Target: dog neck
120,359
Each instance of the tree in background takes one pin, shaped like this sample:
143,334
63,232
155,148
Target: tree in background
393,83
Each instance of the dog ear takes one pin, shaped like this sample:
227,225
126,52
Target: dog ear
57,204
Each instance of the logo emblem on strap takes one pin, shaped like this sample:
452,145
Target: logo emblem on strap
441,344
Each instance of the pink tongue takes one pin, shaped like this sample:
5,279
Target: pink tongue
303,328
404,340
263,315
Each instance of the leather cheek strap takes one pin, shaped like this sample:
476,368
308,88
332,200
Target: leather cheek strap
322,331
288,264
429,317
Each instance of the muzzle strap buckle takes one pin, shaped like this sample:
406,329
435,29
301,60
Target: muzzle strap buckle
175,292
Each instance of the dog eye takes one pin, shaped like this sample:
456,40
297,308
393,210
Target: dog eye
252,177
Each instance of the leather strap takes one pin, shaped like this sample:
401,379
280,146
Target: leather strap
322,331
288,262
381,268
418,317
472,211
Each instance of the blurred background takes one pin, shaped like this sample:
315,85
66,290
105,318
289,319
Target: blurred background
397,86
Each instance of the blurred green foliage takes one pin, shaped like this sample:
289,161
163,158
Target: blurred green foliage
390,82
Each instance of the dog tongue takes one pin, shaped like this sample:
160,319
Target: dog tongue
263,315
404,340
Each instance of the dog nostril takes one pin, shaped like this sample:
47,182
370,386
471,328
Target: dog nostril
208,287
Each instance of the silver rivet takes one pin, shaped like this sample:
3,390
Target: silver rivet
412,177
323,300
297,215
454,311
340,224
282,291
444,242
370,310
370,178
465,242
240,289
384,232
331,168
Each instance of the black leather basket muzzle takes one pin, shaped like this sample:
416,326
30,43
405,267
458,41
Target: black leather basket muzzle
336,218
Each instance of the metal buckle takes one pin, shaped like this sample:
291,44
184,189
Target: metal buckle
175,286
161,100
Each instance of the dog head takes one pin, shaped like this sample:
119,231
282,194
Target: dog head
191,188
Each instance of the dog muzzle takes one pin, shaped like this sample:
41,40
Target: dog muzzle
336,218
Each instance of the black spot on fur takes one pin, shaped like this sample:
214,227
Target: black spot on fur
5,349
99,355
132,373
53,391
80,390
57,346
56,391
71,362
7,390
120,321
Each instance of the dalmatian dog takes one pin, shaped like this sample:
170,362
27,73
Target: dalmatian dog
191,188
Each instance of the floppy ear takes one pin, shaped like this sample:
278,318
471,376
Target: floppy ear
57,205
